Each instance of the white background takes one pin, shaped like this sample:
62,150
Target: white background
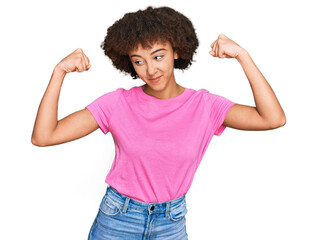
249,185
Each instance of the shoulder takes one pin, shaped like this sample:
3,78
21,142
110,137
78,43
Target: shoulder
205,94
109,98
113,94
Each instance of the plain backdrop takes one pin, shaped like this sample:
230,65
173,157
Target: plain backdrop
249,185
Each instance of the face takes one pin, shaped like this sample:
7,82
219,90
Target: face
155,65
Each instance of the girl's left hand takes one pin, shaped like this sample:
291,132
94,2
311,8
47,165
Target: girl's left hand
224,47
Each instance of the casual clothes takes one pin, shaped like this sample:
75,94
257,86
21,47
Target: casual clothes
120,217
159,143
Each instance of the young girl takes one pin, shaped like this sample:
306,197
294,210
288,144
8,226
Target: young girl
161,130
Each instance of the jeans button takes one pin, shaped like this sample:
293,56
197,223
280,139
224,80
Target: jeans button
152,208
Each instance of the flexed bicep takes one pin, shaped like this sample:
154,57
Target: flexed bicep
72,127
245,117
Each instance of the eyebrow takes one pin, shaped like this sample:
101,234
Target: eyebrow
134,55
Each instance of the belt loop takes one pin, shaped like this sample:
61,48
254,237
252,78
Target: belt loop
126,205
167,209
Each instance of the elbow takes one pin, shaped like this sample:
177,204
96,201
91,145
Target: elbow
278,123
37,143
283,122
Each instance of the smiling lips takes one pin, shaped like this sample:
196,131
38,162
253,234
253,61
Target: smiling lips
155,79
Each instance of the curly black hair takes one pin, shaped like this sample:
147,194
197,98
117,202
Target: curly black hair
146,27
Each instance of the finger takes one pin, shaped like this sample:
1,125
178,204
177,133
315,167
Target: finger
82,61
221,35
216,49
221,53
219,48
82,64
86,61
213,44
78,60
79,69
212,51
77,50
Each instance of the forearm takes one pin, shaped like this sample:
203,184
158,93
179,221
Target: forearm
46,119
266,102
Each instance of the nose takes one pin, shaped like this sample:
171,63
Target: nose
151,69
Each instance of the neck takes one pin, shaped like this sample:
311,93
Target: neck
170,91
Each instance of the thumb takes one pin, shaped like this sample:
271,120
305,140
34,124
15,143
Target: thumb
212,53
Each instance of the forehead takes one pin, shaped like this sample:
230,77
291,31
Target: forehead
151,47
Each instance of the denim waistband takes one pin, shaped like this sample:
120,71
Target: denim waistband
128,202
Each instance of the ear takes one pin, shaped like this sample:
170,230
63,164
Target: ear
175,55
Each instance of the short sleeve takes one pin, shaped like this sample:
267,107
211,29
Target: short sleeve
217,107
102,108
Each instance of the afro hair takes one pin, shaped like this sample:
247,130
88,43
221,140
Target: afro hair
146,27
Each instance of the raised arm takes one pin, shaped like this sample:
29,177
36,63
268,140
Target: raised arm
268,113
48,130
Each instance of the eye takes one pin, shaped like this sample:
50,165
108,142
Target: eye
138,62
158,57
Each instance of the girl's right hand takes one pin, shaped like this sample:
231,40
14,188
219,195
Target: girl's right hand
77,61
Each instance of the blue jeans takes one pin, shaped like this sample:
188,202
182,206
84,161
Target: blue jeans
122,217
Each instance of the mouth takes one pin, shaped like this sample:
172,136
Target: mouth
155,79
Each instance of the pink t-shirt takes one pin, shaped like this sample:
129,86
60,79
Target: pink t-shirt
159,143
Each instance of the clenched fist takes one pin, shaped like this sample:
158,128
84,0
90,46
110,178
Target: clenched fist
77,61
224,47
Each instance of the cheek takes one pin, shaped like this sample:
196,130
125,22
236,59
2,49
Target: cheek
167,65
138,70
170,65
141,72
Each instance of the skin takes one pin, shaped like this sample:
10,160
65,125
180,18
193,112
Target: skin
47,129
150,63
268,113
153,62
